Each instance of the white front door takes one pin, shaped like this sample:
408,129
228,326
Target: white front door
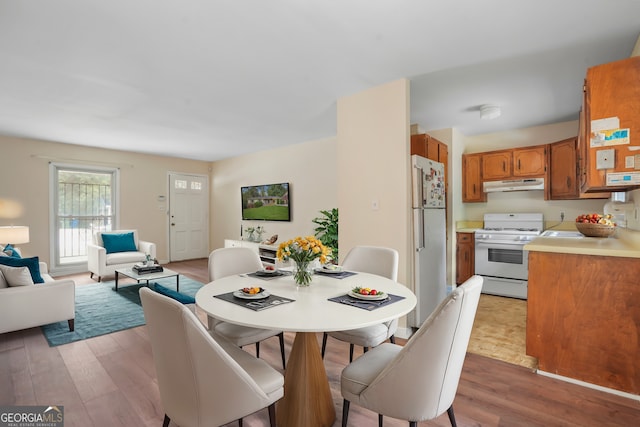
188,216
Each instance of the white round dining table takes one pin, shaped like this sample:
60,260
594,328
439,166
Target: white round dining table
307,398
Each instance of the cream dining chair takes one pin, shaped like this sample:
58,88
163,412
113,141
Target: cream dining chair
375,260
419,381
225,262
204,380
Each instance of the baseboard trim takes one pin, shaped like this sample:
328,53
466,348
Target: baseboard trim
589,385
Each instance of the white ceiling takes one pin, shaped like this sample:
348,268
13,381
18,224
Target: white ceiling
208,79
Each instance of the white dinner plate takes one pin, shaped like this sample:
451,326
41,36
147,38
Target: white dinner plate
336,270
369,297
260,295
267,273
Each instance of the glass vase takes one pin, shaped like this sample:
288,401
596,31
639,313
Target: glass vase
302,273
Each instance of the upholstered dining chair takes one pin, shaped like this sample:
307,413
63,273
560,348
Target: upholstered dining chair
375,260
419,381
225,262
204,380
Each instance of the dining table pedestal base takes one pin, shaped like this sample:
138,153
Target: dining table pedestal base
307,397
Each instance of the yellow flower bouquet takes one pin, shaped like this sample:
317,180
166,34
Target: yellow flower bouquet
303,250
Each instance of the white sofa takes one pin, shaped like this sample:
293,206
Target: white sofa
103,264
23,307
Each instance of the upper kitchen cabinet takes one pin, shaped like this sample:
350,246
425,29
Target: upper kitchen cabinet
427,146
472,178
563,172
530,161
610,127
496,165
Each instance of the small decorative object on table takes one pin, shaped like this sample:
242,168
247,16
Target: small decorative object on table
149,260
303,250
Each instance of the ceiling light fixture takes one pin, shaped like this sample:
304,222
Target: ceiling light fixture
488,112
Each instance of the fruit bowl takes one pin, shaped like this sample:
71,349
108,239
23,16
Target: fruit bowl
595,230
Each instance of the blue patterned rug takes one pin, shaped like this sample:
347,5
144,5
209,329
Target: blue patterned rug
101,310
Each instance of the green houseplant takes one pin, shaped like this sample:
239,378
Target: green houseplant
327,231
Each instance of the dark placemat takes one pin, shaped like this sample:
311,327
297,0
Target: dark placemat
255,304
277,274
366,305
340,275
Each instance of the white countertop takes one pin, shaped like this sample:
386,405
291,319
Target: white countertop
624,243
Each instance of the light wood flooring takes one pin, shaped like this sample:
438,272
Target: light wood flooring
110,381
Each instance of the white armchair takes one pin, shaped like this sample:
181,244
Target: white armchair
102,263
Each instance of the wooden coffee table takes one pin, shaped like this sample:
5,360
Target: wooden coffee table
129,272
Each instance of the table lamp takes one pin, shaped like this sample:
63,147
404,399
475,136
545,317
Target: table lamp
14,235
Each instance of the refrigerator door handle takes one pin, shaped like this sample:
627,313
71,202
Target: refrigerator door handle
421,242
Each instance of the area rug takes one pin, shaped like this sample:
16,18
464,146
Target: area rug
499,331
101,310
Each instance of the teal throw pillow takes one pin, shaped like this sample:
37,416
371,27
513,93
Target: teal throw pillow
184,299
119,242
11,251
33,264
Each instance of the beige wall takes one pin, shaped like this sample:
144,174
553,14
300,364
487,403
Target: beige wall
373,168
309,167
25,178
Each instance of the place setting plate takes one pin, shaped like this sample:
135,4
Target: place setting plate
244,295
378,297
336,269
268,273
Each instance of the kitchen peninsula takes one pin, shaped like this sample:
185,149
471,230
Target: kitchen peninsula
583,308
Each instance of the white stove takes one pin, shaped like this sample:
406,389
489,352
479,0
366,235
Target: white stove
499,252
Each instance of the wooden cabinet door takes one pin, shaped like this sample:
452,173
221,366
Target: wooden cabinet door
433,149
530,161
472,178
496,165
419,144
611,90
563,174
465,260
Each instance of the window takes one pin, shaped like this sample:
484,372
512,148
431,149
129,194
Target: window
84,201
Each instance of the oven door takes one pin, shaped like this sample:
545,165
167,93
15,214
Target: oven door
508,260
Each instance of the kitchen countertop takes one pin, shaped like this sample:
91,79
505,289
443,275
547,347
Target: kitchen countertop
625,243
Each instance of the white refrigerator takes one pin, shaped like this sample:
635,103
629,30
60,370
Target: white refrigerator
429,237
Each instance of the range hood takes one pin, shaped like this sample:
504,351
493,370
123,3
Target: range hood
513,185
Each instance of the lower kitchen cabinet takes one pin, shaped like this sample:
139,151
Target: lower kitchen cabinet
465,261
583,317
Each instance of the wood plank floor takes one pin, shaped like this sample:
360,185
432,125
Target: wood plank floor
110,381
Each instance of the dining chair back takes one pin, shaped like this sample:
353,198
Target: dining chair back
204,381
419,381
226,262
375,260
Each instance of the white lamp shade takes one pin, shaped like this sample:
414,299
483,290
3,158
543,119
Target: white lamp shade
14,234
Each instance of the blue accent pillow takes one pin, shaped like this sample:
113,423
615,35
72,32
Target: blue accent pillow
11,251
33,264
119,242
184,299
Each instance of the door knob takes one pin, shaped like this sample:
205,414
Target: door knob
173,224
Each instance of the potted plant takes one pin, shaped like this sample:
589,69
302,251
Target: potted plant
327,231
